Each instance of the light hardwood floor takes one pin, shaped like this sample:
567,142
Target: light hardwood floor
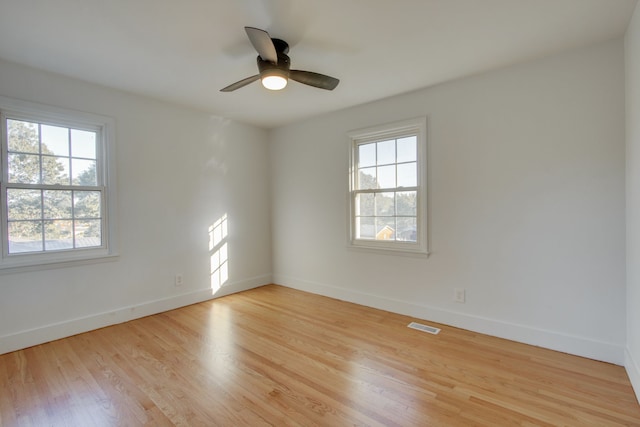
277,356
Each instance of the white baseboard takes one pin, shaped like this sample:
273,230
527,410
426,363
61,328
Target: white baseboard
580,346
633,371
28,338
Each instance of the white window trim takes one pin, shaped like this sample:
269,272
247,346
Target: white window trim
418,126
61,116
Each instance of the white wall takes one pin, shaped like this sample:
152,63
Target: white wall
632,57
178,171
526,205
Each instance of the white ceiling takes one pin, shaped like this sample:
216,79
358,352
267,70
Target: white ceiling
186,51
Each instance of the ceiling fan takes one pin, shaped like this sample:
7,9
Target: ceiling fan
273,66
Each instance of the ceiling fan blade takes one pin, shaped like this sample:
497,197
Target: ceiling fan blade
261,41
314,79
241,83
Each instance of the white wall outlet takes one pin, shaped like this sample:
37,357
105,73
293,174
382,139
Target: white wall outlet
459,295
179,280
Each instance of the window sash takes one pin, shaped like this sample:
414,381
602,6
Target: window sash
73,218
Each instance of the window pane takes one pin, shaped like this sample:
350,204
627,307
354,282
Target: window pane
386,152
86,204
88,233
58,235
365,204
385,204
55,170
84,172
367,179
23,136
407,151
57,204
407,230
366,155
407,175
55,140
83,144
387,176
23,204
24,168
25,236
365,228
385,228
406,203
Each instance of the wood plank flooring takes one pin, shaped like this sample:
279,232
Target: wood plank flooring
277,356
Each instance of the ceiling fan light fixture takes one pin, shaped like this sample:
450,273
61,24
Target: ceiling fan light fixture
274,66
274,81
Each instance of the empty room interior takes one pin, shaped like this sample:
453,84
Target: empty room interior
184,245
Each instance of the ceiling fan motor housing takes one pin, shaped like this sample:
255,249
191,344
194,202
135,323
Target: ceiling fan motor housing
281,68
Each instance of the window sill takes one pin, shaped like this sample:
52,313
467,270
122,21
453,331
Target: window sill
52,262
387,250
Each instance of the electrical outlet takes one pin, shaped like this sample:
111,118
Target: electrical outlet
459,295
179,280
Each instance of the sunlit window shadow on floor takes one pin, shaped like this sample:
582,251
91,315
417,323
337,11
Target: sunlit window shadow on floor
219,253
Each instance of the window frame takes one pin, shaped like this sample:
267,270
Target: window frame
105,169
418,127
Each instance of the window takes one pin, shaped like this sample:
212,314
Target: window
56,185
388,187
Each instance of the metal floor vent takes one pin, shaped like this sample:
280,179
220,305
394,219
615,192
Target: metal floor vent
424,328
